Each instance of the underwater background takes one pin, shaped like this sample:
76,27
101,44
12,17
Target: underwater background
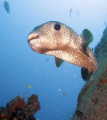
20,66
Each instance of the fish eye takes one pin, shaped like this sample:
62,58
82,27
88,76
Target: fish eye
57,26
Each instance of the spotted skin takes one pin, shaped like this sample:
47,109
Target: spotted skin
64,43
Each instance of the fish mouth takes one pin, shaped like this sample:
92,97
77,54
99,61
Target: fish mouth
32,37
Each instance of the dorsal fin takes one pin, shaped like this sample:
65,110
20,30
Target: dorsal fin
87,37
58,61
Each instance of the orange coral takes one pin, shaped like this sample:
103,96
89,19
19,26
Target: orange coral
17,104
3,116
32,106
18,109
104,78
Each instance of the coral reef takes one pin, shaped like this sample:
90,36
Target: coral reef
92,100
17,109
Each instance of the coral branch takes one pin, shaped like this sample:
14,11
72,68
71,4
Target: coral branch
17,109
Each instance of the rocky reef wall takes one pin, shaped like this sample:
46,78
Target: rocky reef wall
92,100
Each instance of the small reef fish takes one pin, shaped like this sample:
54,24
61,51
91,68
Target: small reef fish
29,86
62,42
64,94
47,60
77,13
6,6
70,12
105,24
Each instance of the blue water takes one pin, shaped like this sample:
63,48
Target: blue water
20,66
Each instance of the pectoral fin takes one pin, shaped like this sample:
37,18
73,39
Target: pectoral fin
58,61
85,74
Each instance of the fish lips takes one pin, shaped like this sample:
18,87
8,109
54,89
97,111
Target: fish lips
33,40
32,37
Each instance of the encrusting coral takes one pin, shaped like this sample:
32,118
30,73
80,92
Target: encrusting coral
17,109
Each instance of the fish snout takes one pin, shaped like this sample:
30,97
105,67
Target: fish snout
32,36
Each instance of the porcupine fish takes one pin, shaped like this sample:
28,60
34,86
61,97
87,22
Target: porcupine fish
62,42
